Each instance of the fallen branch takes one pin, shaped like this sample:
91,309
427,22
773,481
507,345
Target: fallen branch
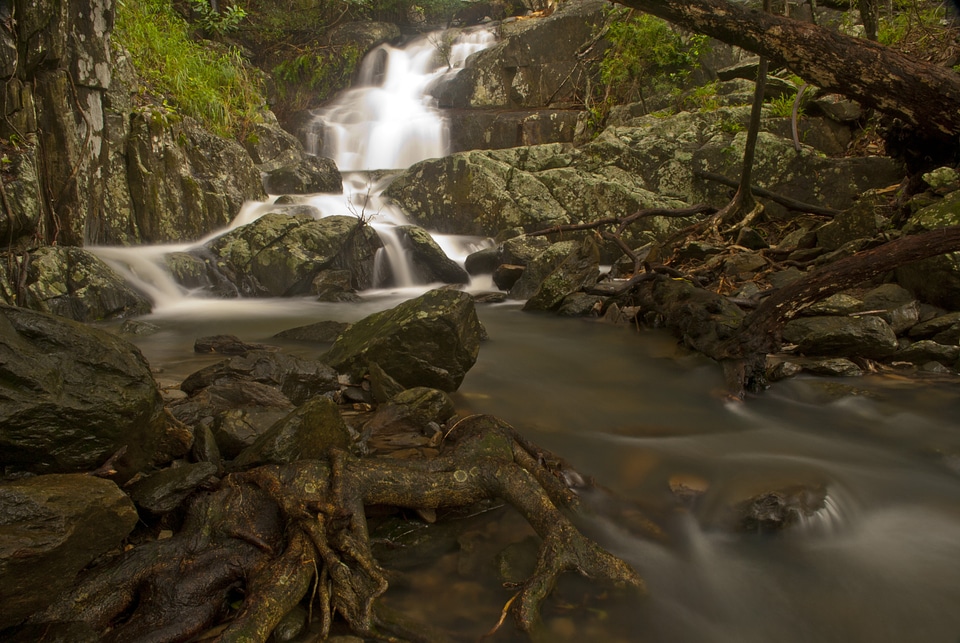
790,204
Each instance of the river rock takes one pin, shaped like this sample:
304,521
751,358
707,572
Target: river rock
540,267
206,406
838,304
299,379
280,255
324,332
163,491
53,526
580,269
928,351
866,336
312,174
935,280
835,367
895,305
931,327
410,411
225,345
522,249
307,433
428,262
271,147
72,396
72,282
432,340
483,262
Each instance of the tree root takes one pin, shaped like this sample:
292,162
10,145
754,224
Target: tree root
277,534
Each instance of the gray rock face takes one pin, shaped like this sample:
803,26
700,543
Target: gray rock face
280,255
866,336
429,262
185,181
72,396
76,284
311,174
163,491
540,267
432,341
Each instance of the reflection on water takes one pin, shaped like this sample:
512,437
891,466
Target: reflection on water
880,561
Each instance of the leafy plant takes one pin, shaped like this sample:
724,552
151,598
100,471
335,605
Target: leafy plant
782,106
315,72
646,52
215,22
203,80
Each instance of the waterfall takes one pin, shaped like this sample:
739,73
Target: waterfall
388,121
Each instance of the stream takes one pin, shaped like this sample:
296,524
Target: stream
635,411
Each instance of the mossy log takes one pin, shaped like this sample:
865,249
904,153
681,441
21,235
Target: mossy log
280,534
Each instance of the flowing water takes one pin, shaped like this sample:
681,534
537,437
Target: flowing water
879,562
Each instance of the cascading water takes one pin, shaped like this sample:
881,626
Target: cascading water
388,121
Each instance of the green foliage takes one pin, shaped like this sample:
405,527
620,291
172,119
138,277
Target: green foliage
704,98
645,53
217,23
208,82
910,20
782,106
315,73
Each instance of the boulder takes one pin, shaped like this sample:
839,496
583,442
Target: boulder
72,396
540,268
271,147
894,305
410,411
934,326
580,269
935,280
429,263
926,351
207,406
324,331
163,491
53,526
307,433
73,283
299,379
310,175
432,340
280,255
866,336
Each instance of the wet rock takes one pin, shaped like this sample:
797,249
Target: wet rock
895,305
410,411
517,561
778,509
866,336
138,328
839,304
428,261
271,147
382,386
309,432
540,267
298,378
482,262
236,429
280,255
783,370
522,249
432,340
489,297
934,326
52,526
205,448
580,269
23,192
506,276
858,222
580,304
949,336
334,285
324,332
751,239
211,402
74,283
744,263
935,367
935,280
72,396
926,351
837,367
783,278
164,490
225,345
311,175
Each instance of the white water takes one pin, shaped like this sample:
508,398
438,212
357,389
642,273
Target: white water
387,121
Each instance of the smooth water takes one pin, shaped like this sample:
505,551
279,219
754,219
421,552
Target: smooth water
880,562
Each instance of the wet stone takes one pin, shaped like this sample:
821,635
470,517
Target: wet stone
164,491
838,367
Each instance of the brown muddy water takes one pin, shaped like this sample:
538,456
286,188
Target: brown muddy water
879,562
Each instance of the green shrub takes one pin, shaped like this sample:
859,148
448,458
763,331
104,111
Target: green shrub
204,80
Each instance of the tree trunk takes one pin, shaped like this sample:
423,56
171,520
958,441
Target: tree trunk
924,95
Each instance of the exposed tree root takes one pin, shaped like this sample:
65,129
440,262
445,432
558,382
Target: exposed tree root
275,534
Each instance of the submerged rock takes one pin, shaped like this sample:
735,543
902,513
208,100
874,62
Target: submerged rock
866,336
432,341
